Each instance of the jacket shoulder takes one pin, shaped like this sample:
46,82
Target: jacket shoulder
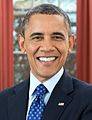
83,89
11,91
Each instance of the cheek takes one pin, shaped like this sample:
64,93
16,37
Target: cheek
63,48
30,48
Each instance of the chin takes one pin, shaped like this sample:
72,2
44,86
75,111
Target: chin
44,76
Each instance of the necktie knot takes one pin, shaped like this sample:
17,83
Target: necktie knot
41,90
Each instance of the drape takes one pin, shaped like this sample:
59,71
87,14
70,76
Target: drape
6,43
84,40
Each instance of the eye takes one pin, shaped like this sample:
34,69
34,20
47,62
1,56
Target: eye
58,38
36,38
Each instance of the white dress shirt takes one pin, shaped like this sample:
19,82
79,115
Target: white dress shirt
49,84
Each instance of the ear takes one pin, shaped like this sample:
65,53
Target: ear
71,43
21,43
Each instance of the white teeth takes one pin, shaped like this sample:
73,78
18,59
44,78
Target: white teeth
46,59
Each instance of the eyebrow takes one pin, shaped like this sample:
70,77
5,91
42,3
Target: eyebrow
58,33
41,34
36,33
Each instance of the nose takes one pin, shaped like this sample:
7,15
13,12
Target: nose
47,45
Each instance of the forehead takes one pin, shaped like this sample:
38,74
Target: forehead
46,22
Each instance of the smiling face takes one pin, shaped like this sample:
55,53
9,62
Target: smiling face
47,44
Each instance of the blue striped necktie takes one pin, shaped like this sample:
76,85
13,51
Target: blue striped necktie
38,106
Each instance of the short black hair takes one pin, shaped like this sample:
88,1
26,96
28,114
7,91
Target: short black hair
48,9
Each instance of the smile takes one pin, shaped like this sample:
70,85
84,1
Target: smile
47,59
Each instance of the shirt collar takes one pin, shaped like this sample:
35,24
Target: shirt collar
49,84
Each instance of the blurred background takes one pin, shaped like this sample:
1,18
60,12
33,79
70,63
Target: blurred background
14,66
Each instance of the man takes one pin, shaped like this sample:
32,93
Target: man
45,36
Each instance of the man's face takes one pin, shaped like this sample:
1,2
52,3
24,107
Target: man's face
47,44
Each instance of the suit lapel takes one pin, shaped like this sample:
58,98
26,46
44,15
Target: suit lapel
59,99
19,96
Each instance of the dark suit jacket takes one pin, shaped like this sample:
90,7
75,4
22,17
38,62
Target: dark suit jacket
71,99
